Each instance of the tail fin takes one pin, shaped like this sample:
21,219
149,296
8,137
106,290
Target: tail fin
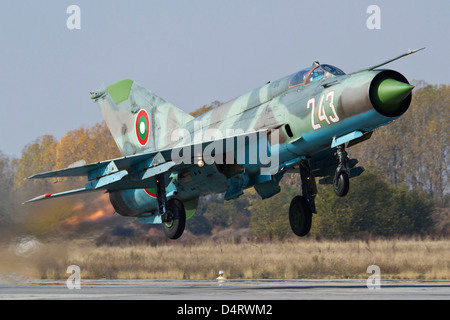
138,119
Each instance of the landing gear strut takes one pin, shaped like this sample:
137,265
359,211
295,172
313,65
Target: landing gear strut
173,214
302,207
341,182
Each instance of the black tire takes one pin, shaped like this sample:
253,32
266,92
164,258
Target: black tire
341,185
174,228
300,216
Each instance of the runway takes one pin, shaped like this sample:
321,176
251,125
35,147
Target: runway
231,290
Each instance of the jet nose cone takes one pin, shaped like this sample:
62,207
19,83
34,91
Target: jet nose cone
389,96
391,92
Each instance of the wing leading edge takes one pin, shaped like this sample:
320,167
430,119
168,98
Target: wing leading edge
101,175
138,171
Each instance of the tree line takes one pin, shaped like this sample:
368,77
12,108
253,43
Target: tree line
404,191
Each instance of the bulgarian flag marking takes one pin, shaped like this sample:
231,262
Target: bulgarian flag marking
142,127
151,192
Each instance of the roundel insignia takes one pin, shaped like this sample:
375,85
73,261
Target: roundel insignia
142,127
151,192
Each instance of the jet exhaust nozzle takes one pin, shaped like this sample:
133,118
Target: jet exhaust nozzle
390,93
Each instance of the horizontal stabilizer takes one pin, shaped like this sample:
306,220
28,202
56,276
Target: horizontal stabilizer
61,194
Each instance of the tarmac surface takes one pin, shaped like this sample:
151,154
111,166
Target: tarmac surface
230,290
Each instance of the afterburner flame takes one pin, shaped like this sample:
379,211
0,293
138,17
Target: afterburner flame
83,214
99,214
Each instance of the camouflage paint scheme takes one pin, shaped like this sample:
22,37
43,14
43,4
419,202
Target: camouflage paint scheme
315,110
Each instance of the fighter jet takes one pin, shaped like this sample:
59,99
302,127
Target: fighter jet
301,123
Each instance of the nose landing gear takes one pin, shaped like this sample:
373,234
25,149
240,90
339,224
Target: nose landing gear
341,181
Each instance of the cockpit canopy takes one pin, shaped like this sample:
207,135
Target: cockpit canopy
315,73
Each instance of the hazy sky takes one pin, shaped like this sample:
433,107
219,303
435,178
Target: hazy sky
192,52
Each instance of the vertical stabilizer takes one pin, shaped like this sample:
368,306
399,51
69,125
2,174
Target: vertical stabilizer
138,119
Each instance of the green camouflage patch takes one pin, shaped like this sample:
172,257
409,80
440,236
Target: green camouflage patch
120,91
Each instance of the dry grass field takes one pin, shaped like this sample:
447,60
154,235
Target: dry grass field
294,259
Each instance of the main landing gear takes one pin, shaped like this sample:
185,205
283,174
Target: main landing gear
173,214
302,207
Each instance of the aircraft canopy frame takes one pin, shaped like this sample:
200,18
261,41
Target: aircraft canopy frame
315,73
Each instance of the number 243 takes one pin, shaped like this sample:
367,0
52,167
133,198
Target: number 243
321,113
